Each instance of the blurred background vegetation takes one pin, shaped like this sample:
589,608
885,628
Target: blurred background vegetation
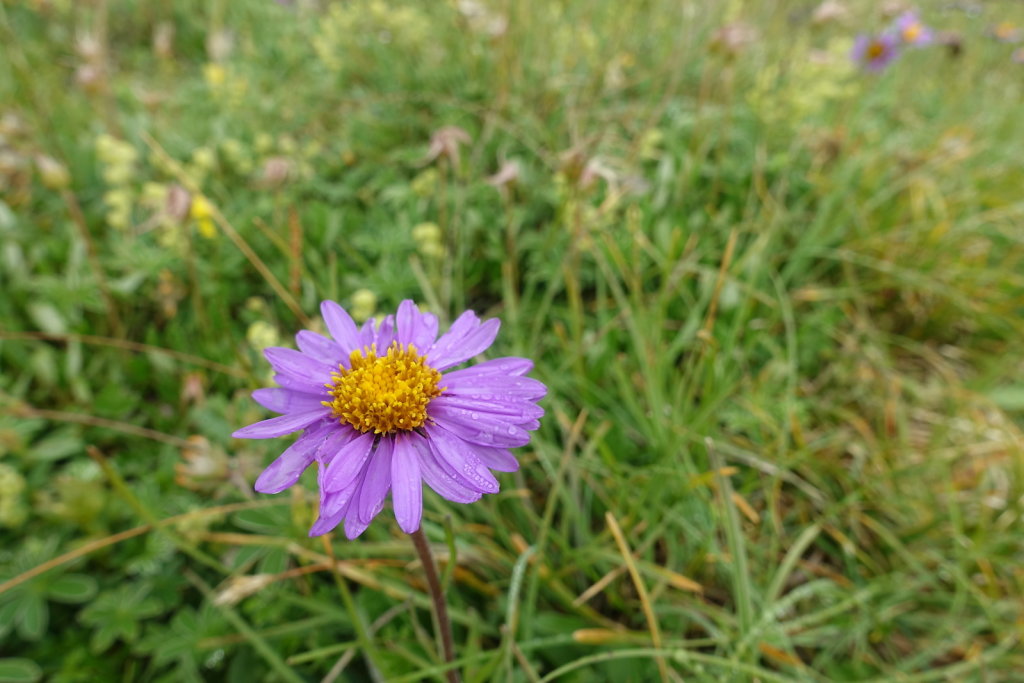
778,302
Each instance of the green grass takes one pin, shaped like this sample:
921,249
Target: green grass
781,331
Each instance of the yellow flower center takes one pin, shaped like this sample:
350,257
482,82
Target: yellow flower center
911,33
876,50
384,394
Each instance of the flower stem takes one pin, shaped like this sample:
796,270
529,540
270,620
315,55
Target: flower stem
444,625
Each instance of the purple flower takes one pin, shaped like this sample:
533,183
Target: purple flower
875,52
381,410
912,31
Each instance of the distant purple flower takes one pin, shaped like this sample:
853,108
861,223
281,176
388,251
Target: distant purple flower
912,31
376,424
875,52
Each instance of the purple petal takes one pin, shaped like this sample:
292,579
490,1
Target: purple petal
441,478
298,365
492,386
287,400
321,348
341,436
459,456
515,411
368,333
466,338
348,462
478,427
289,466
418,329
333,506
406,484
385,334
500,459
376,482
353,526
279,426
340,325
301,385
507,366
531,426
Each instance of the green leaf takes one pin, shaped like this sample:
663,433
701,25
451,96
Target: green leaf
19,670
33,615
59,445
1008,397
8,610
47,318
72,588
264,520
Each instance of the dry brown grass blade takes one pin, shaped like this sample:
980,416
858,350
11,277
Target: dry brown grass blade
641,589
128,345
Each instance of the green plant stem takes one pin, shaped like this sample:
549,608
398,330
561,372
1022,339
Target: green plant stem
362,633
444,625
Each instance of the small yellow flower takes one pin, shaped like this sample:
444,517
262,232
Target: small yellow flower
261,335
215,75
202,213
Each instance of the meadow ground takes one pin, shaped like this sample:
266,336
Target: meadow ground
777,300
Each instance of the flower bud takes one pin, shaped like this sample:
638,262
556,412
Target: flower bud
52,173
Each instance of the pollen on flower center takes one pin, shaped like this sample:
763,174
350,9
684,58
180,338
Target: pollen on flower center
383,394
912,32
875,50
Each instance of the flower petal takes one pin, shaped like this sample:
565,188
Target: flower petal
418,329
340,325
338,441
376,481
279,426
507,366
515,411
298,365
406,483
321,348
348,462
368,333
459,455
333,507
385,334
441,478
354,528
500,459
466,338
478,427
301,385
289,466
287,400
492,386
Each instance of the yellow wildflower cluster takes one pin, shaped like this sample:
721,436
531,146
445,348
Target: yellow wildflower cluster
350,24
225,86
364,304
811,82
427,237
118,159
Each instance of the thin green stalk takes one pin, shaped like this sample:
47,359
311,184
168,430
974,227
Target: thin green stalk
734,537
362,634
